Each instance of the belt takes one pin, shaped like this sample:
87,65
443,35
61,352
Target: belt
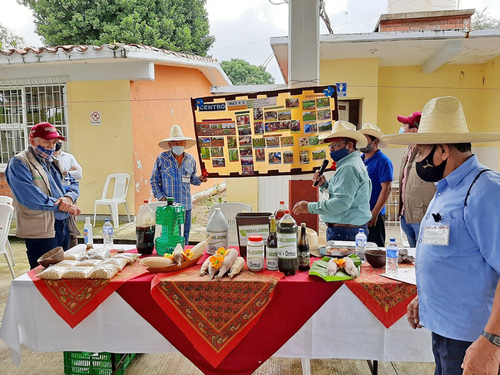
331,225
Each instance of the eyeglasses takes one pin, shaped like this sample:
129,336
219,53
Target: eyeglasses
337,145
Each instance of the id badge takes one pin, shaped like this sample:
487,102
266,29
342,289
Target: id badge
436,235
186,180
325,195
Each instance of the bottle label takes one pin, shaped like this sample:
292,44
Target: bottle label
108,231
248,230
272,258
255,256
219,239
85,236
392,253
287,245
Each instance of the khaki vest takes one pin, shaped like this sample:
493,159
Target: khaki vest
35,224
418,193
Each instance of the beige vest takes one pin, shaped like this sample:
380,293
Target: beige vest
35,223
418,193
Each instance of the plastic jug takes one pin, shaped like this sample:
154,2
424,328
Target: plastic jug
170,217
218,227
145,229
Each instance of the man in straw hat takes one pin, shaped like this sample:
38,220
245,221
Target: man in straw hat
174,172
43,205
458,252
414,193
346,207
379,168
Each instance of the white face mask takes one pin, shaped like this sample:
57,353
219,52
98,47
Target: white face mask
178,150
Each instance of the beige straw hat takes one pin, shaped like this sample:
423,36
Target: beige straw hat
443,121
176,134
344,129
373,131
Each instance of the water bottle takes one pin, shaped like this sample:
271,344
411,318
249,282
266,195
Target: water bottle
66,183
360,244
107,235
88,238
392,253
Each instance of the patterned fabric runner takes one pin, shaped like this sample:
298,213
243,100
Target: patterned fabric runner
387,299
74,299
215,315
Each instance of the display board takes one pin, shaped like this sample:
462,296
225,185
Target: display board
264,133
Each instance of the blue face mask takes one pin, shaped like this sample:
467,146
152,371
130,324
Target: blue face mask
339,154
401,130
43,152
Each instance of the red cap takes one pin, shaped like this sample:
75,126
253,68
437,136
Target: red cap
45,131
413,120
255,238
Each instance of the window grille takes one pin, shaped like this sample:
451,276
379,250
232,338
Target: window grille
26,102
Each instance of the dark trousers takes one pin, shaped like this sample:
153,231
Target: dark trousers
377,232
448,354
37,247
344,233
187,226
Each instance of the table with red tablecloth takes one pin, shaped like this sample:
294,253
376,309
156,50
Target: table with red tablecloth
303,317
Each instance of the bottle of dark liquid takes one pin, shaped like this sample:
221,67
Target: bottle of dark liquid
272,246
280,211
288,261
303,249
145,229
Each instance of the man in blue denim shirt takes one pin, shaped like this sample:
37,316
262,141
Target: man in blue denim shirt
42,204
458,251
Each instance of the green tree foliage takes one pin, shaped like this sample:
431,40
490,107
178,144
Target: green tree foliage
241,72
177,25
483,20
8,39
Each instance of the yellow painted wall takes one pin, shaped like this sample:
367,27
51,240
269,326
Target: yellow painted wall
100,149
156,106
243,190
491,99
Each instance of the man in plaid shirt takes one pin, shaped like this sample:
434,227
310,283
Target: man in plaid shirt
174,172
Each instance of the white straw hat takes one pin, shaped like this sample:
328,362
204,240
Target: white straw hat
443,121
176,135
344,129
373,131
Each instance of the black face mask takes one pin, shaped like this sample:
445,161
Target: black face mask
58,146
426,169
367,149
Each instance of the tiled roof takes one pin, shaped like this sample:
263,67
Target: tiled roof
85,48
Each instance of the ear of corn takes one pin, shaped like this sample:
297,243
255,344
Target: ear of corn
156,262
200,247
332,267
229,260
236,267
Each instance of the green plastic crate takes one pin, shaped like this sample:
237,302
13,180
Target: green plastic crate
76,363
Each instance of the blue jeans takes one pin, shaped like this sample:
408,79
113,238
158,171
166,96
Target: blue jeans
344,233
187,226
411,231
37,247
448,354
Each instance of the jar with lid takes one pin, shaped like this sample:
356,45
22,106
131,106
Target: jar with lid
255,253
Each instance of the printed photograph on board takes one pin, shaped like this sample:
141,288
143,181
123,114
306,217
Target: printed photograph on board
313,141
246,151
259,142
258,114
295,125
246,160
217,151
319,155
247,169
245,140
258,127
203,142
272,141
284,115
272,126
274,158
218,162
309,104
303,141
243,119
292,103
233,155
205,153
217,142
323,102
260,154
287,141
309,116
304,157
271,115
287,157
324,114
231,142
325,126
244,130
310,127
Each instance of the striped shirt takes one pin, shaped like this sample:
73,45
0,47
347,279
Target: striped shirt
169,179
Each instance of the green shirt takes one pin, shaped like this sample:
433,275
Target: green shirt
349,192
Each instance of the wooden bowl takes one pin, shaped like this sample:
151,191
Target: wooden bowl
51,257
376,258
175,267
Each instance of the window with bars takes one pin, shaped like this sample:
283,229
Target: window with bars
24,103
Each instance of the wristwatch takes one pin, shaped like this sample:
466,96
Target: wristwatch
494,339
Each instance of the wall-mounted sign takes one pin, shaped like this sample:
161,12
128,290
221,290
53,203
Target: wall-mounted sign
265,133
341,89
95,118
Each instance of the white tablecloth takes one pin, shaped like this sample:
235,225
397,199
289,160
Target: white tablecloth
342,328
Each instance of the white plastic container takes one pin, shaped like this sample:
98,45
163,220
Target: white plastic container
88,238
255,253
392,255
218,227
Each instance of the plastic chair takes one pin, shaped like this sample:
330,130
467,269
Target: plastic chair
8,200
6,212
230,209
122,181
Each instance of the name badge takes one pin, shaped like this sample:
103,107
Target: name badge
436,235
325,195
186,180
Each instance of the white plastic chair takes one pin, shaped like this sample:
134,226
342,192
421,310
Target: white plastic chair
8,200
6,212
122,181
230,209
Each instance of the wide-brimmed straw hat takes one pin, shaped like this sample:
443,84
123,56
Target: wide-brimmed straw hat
176,134
344,129
443,121
373,131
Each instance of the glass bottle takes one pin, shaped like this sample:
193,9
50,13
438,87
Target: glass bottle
303,249
272,246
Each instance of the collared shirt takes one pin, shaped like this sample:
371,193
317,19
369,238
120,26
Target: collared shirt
67,161
349,194
379,168
20,181
456,283
169,179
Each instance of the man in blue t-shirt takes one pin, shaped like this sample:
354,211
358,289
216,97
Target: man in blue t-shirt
380,171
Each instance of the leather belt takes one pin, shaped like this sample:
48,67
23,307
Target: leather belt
331,225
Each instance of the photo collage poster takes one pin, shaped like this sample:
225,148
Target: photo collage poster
267,133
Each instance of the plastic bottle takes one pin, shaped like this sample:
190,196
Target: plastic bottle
88,238
272,246
170,217
255,253
107,235
66,183
391,262
218,227
145,224
303,249
360,244
288,261
280,211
